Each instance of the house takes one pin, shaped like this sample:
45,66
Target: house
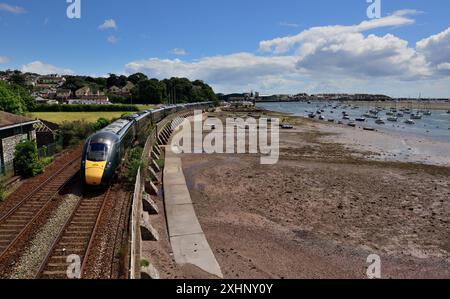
127,88
124,91
114,89
63,94
84,91
13,129
92,100
40,100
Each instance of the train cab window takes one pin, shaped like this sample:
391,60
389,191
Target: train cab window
97,152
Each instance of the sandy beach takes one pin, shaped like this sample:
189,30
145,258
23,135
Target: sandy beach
336,196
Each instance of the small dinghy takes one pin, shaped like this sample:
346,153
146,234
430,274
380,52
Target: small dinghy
287,127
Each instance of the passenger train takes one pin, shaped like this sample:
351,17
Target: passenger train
103,151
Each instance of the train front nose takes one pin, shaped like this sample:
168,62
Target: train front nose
94,172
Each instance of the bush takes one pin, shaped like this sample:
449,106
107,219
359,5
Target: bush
101,123
47,161
131,165
2,190
26,159
73,133
84,108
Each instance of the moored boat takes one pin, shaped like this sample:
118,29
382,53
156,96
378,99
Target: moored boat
392,119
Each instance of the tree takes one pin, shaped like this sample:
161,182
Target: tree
28,102
18,79
10,101
113,80
26,160
74,83
149,92
136,78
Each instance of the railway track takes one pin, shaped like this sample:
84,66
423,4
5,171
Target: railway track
75,238
20,218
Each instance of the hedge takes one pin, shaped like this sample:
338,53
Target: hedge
85,108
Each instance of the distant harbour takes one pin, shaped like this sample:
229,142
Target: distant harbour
434,127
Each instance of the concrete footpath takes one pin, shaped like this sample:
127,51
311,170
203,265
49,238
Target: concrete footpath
188,241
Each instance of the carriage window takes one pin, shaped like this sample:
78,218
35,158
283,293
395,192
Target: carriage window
97,152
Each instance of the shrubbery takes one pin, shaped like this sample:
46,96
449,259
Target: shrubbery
74,132
26,159
2,190
84,108
131,165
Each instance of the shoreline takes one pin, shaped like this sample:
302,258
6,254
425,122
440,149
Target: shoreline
414,104
384,144
321,210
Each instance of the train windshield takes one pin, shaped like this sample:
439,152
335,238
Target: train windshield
97,152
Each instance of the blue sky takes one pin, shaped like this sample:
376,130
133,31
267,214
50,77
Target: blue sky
222,42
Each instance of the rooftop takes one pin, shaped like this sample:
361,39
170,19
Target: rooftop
8,120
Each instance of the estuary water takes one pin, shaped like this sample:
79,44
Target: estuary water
435,126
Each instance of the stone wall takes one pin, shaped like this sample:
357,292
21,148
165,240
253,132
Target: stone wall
9,146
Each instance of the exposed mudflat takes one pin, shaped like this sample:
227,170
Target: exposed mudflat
321,211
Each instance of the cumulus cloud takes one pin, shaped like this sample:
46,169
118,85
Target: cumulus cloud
12,9
318,34
219,70
4,59
178,52
39,67
436,49
108,24
335,58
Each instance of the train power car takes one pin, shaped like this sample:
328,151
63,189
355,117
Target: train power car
103,151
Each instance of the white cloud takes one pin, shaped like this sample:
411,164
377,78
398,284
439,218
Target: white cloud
178,52
436,49
444,66
284,44
325,59
12,9
108,24
112,39
4,59
239,69
39,67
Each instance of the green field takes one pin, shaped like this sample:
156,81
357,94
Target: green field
60,117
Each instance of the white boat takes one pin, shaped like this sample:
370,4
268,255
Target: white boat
410,122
